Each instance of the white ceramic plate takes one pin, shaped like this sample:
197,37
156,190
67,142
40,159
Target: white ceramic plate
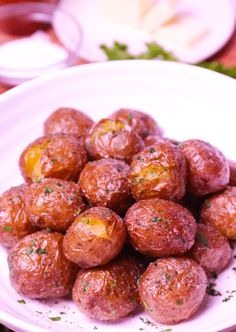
187,101
218,16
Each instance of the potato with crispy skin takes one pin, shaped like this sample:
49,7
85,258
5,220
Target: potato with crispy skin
68,121
113,139
39,268
108,292
207,168
14,223
158,171
105,182
95,237
143,123
158,227
219,211
53,203
211,249
55,156
172,289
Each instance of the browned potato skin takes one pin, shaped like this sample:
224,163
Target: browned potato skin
105,182
211,249
232,167
143,123
113,139
152,139
95,237
55,156
158,227
108,292
68,121
158,171
38,267
172,289
219,211
53,203
207,168
14,224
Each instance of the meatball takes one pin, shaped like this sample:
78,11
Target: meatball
108,292
232,167
219,211
105,183
55,156
14,224
207,168
211,249
113,139
38,267
151,140
158,227
158,171
95,237
53,203
68,121
172,289
143,123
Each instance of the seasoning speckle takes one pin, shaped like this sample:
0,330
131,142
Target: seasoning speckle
22,301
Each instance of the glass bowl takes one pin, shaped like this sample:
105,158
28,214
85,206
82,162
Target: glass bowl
35,39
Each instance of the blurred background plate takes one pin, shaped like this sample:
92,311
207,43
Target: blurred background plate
218,17
187,101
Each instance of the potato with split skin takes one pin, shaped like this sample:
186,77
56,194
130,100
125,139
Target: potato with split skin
158,171
38,267
68,120
143,123
113,139
108,292
211,249
207,168
219,211
105,182
14,223
95,237
54,156
158,228
53,203
172,289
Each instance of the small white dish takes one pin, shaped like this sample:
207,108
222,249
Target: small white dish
217,16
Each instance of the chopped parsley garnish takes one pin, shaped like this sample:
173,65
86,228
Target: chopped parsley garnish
7,228
141,159
208,204
157,219
41,251
48,191
113,284
48,230
78,212
21,301
226,299
55,318
29,251
152,150
167,330
85,286
179,302
202,240
130,117
214,275
211,291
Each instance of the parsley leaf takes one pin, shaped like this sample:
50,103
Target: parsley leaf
202,240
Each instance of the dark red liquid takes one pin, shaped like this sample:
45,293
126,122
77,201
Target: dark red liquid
17,26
